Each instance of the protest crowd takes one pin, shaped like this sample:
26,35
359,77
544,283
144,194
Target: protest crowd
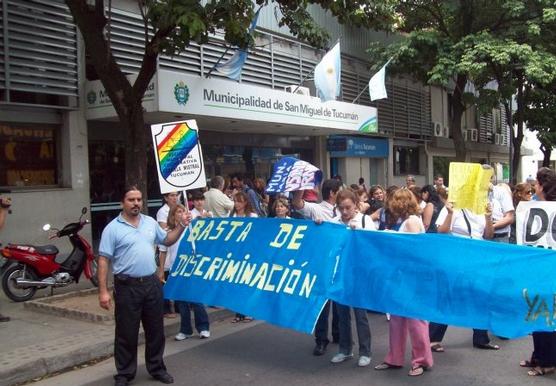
409,209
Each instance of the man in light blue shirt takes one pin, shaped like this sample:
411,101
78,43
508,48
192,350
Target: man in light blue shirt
128,243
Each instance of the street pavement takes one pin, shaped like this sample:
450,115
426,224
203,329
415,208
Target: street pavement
260,354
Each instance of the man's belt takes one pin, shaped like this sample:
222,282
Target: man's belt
498,235
126,279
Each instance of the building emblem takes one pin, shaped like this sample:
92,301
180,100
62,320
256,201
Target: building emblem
91,97
181,92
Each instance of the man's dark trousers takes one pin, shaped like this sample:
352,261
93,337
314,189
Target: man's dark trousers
138,300
321,328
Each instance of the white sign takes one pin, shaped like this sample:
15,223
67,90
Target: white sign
535,224
99,104
178,156
182,94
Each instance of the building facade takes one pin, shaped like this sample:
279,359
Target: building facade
63,147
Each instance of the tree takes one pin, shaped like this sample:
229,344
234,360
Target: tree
540,115
170,25
442,42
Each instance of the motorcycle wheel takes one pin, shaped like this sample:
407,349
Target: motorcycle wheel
10,287
94,271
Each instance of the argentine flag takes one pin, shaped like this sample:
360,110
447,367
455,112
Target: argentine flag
377,87
233,66
327,75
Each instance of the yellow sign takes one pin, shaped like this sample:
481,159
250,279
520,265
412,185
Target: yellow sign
469,184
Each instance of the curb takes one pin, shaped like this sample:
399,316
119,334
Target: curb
45,305
98,343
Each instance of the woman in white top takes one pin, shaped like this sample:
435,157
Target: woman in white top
463,223
167,258
242,208
402,205
346,205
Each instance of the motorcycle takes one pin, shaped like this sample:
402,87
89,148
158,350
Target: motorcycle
38,267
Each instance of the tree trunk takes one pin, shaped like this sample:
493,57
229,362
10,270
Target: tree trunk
136,155
458,108
517,139
546,149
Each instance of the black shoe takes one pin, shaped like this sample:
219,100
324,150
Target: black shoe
121,381
164,378
319,350
4,318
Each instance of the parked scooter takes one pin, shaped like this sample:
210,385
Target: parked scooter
38,267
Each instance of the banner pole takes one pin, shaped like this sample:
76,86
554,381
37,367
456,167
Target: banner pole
189,225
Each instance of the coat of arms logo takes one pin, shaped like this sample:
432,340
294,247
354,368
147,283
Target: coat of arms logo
181,92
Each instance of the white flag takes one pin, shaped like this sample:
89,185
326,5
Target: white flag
327,75
377,87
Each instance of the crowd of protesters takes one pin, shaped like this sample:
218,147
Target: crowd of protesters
402,209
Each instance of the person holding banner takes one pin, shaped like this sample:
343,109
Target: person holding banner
167,258
346,204
242,208
127,244
323,211
404,210
463,223
543,358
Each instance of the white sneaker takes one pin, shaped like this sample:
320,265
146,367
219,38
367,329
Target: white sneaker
181,336
364,361
204,334
339,358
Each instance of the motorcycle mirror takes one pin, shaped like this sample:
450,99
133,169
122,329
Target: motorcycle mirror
84,210
46,227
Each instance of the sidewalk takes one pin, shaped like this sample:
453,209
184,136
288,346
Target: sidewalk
34,344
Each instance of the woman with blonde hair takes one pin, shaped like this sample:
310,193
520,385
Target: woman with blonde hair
167,257
404,211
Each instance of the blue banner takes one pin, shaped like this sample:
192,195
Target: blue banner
264,268
507,289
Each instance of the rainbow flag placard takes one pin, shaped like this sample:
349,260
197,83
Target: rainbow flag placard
178,156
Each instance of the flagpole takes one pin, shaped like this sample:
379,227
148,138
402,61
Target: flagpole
218,61
367,86
303,80
361,93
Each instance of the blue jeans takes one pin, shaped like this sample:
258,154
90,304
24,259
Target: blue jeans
363,330
201,317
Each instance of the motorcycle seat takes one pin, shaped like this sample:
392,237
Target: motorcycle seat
46,249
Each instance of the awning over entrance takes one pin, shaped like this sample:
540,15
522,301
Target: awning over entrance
223,105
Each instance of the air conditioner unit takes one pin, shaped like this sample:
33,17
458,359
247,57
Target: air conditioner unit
465,136
473,135
437,129
446,132
498,139
298,90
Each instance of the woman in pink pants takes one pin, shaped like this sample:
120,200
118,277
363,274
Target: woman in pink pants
404,210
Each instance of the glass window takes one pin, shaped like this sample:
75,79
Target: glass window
406,160
28,155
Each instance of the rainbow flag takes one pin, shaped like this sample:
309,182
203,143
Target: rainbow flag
175,147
